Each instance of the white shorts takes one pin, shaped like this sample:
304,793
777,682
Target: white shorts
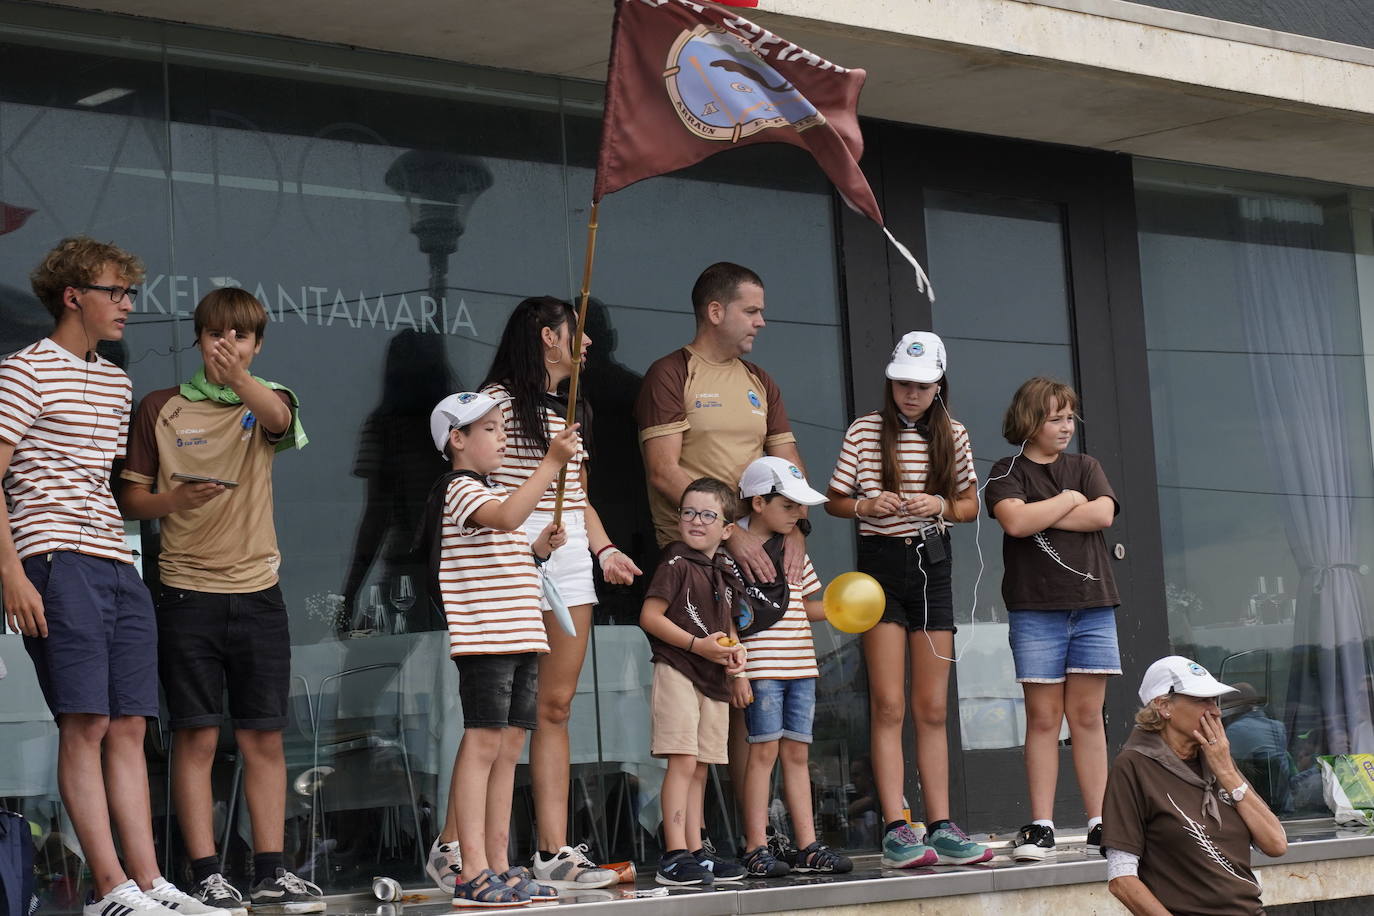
570,565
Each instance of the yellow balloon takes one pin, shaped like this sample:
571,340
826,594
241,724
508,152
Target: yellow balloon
854,602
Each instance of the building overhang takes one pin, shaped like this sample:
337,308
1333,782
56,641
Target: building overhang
1105,74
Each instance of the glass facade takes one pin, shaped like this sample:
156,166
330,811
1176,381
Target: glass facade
1258,300
389,214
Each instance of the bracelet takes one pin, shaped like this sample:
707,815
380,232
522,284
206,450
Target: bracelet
693,642
604,549
943,505
856,507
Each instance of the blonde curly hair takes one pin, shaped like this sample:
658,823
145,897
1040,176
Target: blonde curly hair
77,261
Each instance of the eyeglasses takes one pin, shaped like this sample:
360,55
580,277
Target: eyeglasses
688,514
117,293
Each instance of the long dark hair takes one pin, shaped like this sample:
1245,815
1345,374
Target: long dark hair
519,366
938,429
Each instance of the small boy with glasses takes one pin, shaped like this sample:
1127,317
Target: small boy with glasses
688,614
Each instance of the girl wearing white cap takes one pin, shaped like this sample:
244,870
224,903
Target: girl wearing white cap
905,472
533,361
1180,819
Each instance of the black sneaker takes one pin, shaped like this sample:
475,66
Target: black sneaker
285,893
761,863
216,892
821,859
1095,839
682,869
722,869
1033,843
780,845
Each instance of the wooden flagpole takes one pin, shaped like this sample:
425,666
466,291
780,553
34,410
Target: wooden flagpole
576,354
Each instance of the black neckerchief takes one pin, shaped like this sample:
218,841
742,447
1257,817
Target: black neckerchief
921,426
726,581
765,603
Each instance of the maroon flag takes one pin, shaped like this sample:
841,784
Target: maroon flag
688,80
12,217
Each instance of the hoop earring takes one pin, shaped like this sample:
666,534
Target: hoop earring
559,357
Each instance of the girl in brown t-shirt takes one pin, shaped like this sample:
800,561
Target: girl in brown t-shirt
1061,598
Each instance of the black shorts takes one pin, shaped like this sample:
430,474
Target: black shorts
208,641
498,690
920,594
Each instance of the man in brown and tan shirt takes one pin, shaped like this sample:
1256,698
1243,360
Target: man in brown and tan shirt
200,459
703,411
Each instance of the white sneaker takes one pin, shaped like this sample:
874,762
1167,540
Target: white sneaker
126,900
571,869
170,896
443,864
218,893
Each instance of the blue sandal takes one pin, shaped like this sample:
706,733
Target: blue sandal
526,885
487,890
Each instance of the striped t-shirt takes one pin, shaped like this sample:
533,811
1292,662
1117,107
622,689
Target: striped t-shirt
523,457
488,579
784,651
68,420
859,470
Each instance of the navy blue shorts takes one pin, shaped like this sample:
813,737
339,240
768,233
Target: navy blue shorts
208,641
100,654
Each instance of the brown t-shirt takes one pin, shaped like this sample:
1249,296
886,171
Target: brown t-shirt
1033,580
228,545
701,592
728,414
1194,864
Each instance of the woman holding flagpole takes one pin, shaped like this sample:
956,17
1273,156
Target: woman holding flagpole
531,368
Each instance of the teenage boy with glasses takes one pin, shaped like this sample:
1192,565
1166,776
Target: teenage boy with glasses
68,576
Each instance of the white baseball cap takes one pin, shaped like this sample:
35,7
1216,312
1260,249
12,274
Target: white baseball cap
918,357
458,410
1176,674
778,475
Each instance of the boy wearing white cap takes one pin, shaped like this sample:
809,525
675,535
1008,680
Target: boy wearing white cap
778,688
491,595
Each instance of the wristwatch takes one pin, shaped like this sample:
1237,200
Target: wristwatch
1239,792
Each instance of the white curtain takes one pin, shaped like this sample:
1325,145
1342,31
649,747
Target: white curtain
1288,309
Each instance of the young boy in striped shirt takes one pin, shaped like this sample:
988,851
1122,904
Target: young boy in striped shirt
491,594
779,695
69,580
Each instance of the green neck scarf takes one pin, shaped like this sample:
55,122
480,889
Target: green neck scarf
200,388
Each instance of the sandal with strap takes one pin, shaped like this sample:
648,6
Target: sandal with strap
526,885
487,890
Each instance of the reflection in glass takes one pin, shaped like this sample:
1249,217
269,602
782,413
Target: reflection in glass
1260,390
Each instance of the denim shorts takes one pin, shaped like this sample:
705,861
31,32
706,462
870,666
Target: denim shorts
100,654
920,594
1049,645
208,641
782,708
499,690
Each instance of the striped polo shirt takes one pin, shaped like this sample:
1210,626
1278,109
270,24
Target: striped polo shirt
68,420
523,457
785,651
488,579
859,470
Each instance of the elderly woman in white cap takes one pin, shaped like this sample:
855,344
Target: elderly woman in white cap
1179,819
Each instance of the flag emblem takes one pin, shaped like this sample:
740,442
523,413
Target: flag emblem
723,91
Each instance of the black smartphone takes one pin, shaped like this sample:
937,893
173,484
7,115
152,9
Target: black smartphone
196,478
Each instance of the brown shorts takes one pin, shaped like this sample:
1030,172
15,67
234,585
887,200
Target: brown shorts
685,721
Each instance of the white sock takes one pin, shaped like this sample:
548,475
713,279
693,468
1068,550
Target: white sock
1044,822
1093,822
130,885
